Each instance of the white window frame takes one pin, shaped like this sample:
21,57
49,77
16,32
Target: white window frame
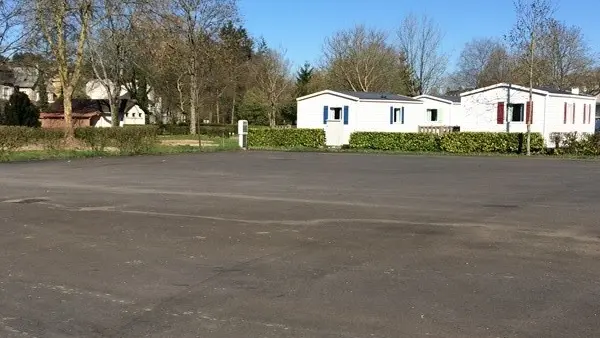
397,118
331,115
437,115
509,108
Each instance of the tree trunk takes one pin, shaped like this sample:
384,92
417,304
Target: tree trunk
114,113
272,114
193,104
68,113
217,110
233,109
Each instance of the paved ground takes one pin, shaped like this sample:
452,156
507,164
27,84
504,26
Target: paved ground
300,245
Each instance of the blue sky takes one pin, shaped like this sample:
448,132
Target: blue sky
300,26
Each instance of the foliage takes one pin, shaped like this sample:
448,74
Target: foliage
51,139
303,79
134,140
19,111
573,143
13,138
462,142
420,42
395,141
204,129
95,138
286,138
362,59
487,142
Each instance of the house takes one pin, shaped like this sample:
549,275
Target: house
441,110
95,89
91,113
504,108
25,79
341,113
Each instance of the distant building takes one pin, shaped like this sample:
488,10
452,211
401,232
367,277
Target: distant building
25,79
92,113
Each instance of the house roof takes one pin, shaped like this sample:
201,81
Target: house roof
80,106
25,77
85,106
378,96
450,99
539,91
362,96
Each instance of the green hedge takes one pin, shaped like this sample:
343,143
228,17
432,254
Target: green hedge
217,130
573,143
128,140
475,142
286,138
460,142
13,138
394,141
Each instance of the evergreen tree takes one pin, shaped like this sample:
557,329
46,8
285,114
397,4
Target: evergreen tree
303,78
42,90
19,111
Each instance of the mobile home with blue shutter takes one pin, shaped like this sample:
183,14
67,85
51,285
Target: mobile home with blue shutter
341,113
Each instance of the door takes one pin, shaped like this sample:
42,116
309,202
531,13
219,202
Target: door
334,131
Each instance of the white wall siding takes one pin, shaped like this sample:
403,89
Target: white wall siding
134,116
375,116
448,113
480,111
310,111
555,115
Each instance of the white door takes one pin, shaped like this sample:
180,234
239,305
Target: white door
334,131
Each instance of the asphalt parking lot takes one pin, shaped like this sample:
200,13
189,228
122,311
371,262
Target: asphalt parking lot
263,244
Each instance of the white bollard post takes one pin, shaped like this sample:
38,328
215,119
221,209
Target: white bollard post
243,133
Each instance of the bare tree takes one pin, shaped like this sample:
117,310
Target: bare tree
566,52
270,71
109,46
197,22
12,31
420,41
482,62
533,17
64,26
360,59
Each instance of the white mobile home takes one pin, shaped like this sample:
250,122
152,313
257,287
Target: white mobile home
504,107
441,110
342,113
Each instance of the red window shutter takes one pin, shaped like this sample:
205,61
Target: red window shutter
565,119
573,112
500,113
584,112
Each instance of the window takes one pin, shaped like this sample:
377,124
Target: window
517,112
397,118
432,115
139,114
6,93
337,113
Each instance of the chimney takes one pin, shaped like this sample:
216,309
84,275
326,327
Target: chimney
575,90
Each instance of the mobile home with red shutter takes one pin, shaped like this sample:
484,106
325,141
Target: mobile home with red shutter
341,113
506,108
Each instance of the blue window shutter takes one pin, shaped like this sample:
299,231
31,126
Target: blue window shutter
325,111
345,114
402,115
391,115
